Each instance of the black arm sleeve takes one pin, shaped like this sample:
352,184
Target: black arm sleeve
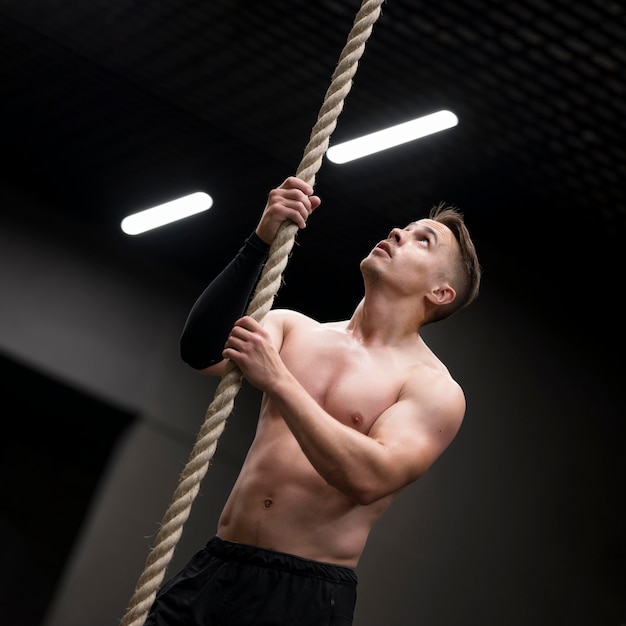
221,304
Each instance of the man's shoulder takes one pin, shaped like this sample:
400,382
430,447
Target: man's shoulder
431,381
290,315
290,319
432,372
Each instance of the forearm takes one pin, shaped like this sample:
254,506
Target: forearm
347,459
222,302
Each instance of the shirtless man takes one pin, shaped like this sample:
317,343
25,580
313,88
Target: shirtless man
351,413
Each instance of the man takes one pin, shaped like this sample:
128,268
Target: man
352,412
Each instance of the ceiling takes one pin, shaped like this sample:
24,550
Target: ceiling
108,107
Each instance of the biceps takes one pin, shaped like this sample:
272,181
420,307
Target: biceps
412,444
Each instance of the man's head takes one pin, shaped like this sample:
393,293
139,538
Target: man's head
465,272
433,259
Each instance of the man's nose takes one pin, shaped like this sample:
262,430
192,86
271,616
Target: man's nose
396,234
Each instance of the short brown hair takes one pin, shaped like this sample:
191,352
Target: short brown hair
466,280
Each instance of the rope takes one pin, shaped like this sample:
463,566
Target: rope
263,298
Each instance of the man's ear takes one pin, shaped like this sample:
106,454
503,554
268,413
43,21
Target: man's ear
441,295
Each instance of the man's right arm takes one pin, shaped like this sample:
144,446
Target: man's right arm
224,301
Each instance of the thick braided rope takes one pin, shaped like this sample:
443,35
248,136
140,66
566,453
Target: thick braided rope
265,292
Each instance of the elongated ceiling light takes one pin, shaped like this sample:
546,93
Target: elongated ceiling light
391,137
167,213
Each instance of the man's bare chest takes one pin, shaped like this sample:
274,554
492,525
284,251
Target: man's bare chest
350,382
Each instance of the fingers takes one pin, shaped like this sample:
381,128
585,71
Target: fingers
292,203
293,182
299,194
292,200
235,344
249,347
248,324
315,202
242,332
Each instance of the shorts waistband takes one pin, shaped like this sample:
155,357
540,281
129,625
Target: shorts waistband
263,557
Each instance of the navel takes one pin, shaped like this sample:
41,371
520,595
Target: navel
268,503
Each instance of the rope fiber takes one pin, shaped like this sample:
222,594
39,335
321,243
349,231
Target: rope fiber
262,300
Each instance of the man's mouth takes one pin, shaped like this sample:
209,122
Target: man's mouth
384,245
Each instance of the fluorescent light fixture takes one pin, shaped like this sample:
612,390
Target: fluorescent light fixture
391,137
166,213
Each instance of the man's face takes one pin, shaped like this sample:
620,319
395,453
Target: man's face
414,257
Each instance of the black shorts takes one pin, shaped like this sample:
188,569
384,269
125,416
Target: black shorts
233,584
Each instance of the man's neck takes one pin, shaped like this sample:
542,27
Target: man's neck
376,321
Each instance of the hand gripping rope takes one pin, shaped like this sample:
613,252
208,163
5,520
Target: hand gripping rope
265,292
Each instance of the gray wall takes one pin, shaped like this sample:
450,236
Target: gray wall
517,523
